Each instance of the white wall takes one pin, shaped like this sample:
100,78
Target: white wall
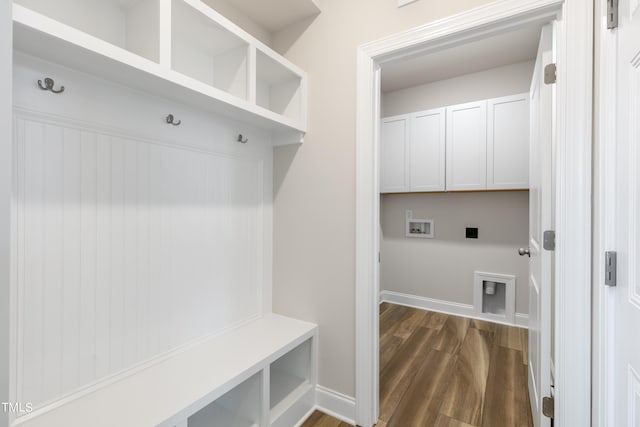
134,237
226,9
500,81
442,268
6,182
314,184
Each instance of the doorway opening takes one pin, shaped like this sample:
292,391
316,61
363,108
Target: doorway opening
477,25
460,128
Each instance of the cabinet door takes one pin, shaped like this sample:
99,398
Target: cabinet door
394,147
467,146
427,151
508,142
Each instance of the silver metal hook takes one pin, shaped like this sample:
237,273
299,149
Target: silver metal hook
48,85
241,140
171,121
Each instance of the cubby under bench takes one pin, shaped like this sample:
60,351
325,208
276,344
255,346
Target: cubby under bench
261,374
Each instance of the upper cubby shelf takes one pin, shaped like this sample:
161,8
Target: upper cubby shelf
178,49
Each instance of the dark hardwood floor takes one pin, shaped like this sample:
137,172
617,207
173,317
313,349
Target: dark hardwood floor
438,370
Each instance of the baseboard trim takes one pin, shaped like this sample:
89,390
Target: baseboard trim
447,307
522,320
336,404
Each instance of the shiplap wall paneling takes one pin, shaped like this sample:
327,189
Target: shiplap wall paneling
127,249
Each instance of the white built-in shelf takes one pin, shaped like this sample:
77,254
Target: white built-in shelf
276,15
290,378
240,407
178,49
225,370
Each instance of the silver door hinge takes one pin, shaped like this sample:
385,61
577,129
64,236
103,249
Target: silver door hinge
549,240
610,261
550,74
547,407
612,14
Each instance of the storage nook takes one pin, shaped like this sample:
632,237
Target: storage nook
144,134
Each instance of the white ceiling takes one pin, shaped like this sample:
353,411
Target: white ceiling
275,15
503,49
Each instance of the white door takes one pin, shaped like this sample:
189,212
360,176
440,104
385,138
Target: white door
394,154
626,381
467,146
540,219
427,150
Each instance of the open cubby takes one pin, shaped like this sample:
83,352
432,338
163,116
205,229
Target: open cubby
133,25
240,407
278,88
290,376
208,52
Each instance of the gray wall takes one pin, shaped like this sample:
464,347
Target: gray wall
314,184
500,81
442,268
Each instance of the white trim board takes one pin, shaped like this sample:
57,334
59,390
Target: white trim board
572,131
447,307
336,404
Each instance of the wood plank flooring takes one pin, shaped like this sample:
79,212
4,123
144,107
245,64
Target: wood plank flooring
447,371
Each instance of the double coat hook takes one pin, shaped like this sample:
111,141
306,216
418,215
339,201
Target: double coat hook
172,121
48,85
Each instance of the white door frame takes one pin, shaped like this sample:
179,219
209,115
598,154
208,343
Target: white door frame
6,173
573,133
604,218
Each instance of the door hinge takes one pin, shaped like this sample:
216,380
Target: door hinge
612,14
610,268
550,74
549,240
547,407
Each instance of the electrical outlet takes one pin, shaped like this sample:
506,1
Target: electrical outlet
471,233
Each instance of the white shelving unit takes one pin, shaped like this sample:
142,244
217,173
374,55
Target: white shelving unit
206,51
223,381
178,49
240,407
290,377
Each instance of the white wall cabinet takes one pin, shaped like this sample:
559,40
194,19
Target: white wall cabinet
413,152
481,145
467,146
394,152
427,151
508,142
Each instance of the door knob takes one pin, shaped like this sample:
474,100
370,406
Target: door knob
523,252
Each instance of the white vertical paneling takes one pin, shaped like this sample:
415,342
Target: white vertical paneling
103,253
71,258
143,227
52,260
32,254
128,249
116,285
88,255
